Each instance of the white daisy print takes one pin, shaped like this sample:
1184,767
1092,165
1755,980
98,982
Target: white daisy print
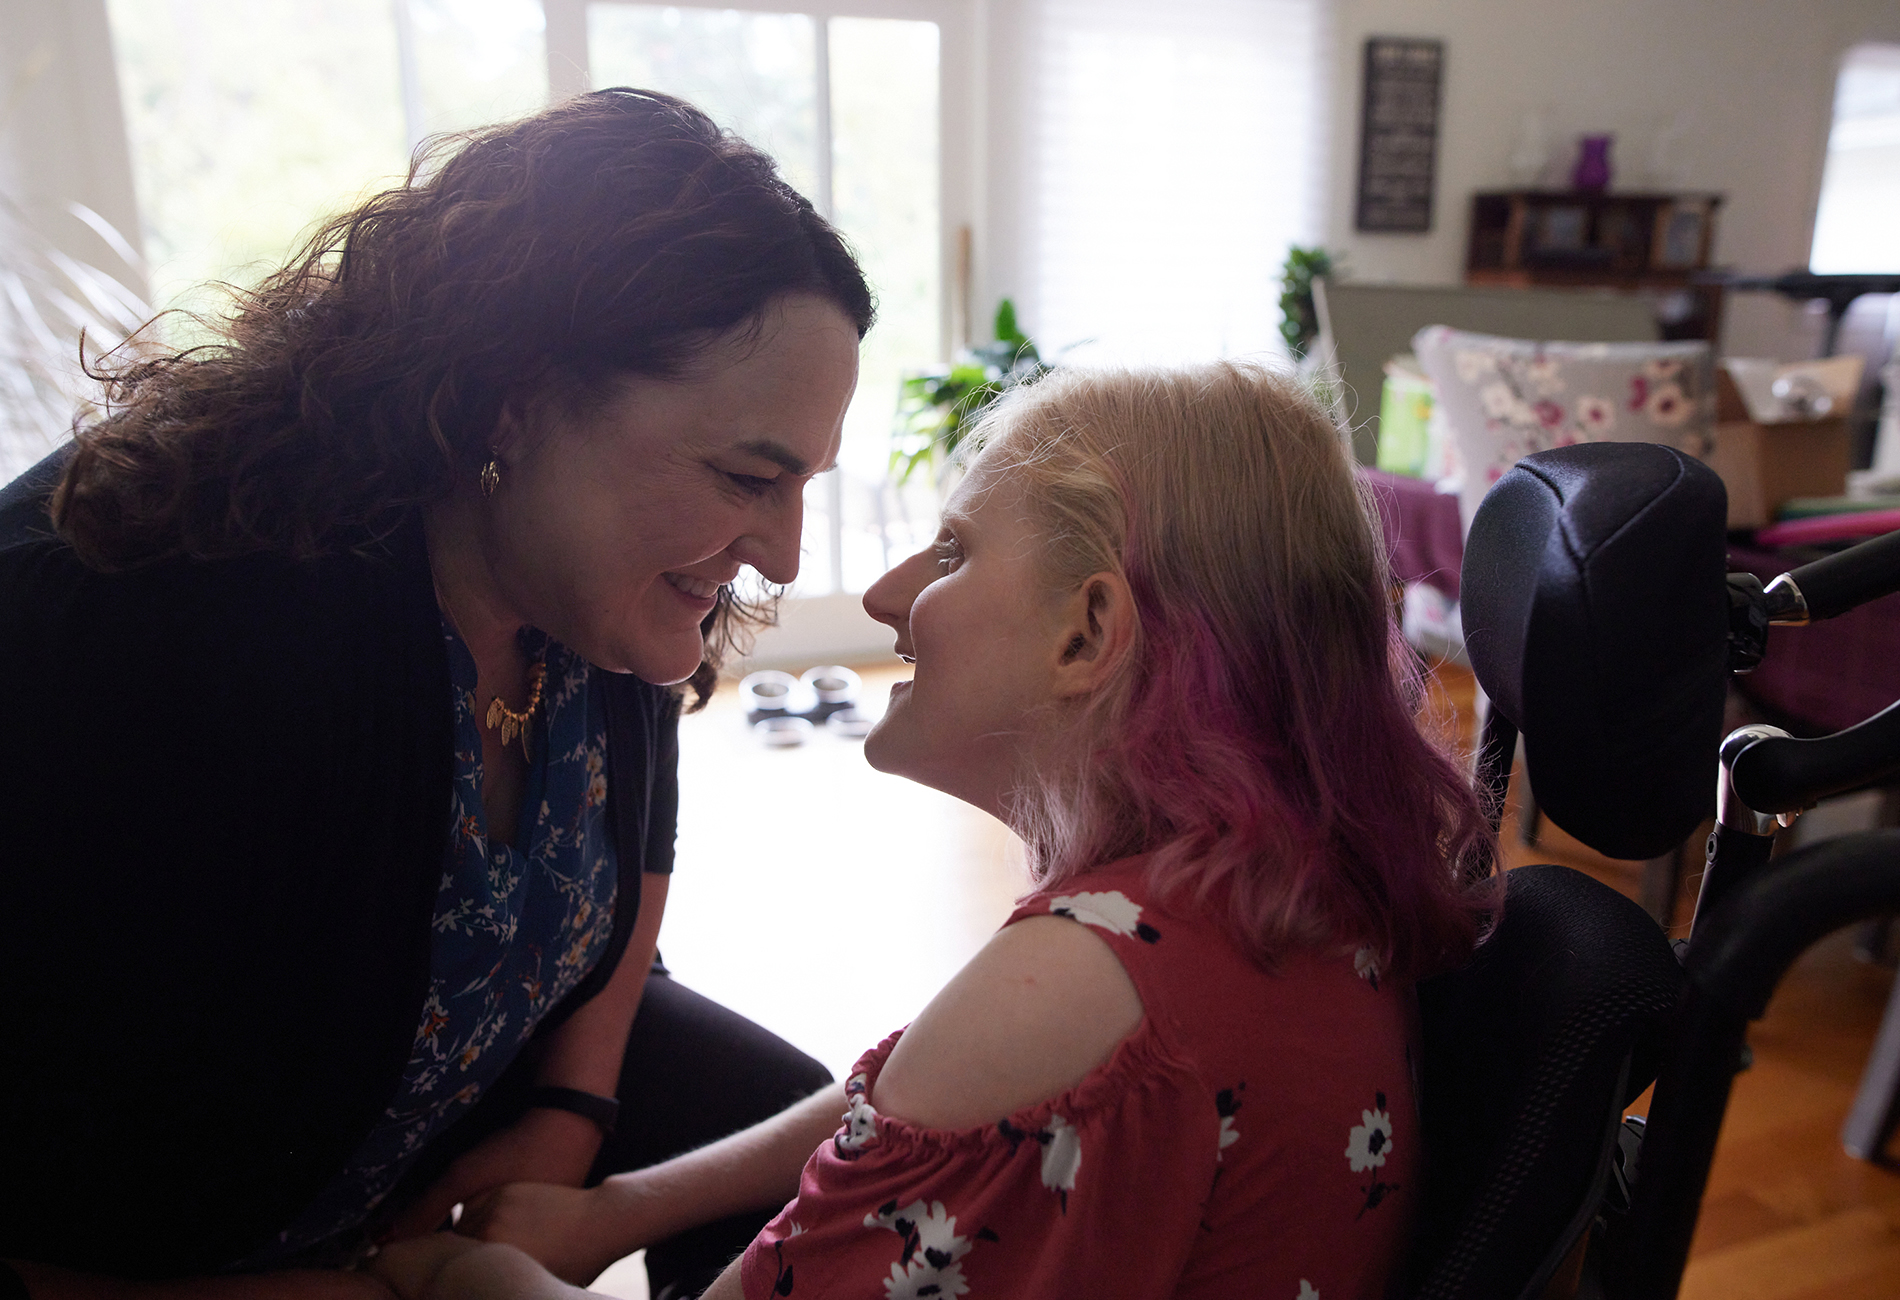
1109,910
1306,1291
918,1280
860,1121
931,1263
1061,1157
1370,1141
1227,1106
1061,1152
1365,964
860,1127
1367,1149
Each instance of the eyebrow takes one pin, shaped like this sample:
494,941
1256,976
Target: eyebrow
781,456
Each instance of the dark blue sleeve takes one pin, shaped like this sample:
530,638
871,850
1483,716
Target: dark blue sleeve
642,808
663,802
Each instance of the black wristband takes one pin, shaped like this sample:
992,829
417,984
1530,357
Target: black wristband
11,1287
603,1111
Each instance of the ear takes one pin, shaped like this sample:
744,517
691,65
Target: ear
1097,627
509,441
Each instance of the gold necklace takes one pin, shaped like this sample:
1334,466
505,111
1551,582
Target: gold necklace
512,724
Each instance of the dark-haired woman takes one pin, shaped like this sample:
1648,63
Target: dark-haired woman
338,782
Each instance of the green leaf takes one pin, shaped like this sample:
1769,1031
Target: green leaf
1007,331
1299,319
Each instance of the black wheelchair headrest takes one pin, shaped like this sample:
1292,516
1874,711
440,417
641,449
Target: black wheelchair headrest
1595,615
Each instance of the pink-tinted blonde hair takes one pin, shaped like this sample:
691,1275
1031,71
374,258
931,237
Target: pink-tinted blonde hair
1260,736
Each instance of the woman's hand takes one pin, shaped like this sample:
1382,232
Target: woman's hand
443,1266
410,1268
575,1234
543,1146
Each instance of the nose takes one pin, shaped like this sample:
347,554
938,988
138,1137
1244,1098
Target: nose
891,596
771,541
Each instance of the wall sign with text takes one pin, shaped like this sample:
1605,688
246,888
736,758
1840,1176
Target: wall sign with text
1398,134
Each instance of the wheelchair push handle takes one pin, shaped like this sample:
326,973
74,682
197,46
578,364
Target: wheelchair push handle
1780,774
1837,583
1829,586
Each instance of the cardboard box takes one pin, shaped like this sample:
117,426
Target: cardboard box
1764,465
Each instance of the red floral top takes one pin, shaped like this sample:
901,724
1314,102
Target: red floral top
1255,1136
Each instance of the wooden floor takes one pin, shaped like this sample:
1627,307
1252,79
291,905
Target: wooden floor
1788,1214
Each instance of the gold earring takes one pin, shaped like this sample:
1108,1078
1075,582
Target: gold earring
491,477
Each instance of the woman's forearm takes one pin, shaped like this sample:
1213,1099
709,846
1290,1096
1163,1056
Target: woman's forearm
726,1286
497,1272
44,1282
754,1169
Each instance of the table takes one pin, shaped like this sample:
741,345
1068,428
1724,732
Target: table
1424,537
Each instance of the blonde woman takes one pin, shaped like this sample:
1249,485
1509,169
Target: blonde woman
1153,638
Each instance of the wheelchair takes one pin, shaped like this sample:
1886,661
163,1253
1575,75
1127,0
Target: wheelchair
1603,626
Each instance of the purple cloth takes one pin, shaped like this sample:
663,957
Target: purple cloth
1423,534
1827,675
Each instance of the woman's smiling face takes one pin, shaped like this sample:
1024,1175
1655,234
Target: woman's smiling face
977,617
613,531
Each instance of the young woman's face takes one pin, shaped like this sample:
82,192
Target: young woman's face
976,615
613,532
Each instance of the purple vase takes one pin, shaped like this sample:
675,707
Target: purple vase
1593,163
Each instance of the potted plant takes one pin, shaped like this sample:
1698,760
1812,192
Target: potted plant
936,407
1299,320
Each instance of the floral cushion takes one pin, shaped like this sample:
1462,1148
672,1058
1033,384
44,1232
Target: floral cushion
1506,398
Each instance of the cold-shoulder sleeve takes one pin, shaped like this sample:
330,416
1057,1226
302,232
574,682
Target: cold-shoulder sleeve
1099,1192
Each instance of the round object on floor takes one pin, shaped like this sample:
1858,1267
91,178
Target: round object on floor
851,722
783,732
829,688
771,694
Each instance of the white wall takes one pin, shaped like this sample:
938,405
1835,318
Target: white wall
1748,84
1004,150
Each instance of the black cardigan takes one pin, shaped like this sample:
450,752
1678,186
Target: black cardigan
224,794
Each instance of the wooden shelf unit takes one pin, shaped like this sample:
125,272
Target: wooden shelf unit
1647,243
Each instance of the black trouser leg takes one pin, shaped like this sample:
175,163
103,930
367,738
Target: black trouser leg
695,1072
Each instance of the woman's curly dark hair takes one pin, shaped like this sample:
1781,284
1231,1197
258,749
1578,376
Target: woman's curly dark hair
619,232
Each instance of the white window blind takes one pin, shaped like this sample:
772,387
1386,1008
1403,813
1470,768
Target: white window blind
1176,153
